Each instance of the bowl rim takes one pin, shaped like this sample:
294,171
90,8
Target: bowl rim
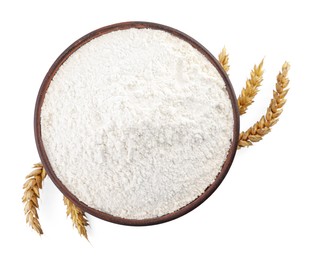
45,160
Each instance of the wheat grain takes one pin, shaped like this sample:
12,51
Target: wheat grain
78,217
248,93
224,60
264,125
31,195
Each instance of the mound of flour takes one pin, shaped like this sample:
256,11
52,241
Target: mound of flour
137,123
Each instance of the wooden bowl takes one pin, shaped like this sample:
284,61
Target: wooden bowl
45,160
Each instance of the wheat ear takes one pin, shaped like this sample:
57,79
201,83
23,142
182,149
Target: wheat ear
78,217
262,127
224,60
248,93
31,195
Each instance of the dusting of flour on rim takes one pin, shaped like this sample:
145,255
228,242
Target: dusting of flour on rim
137,123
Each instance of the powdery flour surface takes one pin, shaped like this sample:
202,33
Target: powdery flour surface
137,123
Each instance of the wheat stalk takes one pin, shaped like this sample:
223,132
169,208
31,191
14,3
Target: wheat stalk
224,60
78,217
248,93
262,127
31,195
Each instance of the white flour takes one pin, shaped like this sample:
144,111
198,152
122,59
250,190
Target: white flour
137,123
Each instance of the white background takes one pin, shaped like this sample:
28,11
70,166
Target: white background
263,208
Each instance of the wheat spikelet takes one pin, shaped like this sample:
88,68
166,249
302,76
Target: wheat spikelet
262,127
78,217
248,93
224,60
31,195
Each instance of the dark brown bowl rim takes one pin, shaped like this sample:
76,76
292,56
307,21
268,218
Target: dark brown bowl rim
44,158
